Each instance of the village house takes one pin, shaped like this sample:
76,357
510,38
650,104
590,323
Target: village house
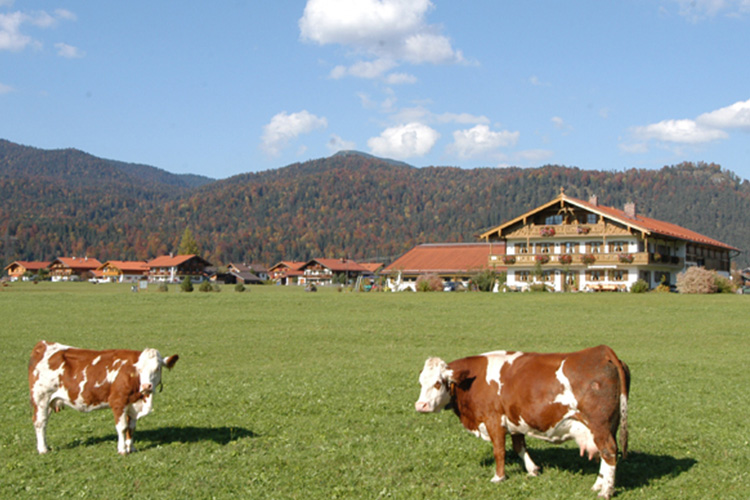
326,271
72,268
286,272
23,269
176,268
122,271
454,263
246,274
571,244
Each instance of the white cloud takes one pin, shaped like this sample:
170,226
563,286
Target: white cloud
695,10
404,141
68,51
679,131
5,89
400,78
388,32
11,36
480,140
736,115
336,144
283,128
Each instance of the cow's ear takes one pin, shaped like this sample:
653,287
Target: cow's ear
170,361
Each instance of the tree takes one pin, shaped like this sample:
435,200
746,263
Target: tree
188,245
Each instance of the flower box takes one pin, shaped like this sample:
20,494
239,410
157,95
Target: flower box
546,232
566,258
626,258
583,229
542,259
588,258
509,259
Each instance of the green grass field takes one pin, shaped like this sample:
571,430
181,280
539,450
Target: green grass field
285,394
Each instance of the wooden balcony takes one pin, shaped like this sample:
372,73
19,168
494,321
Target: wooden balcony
599,259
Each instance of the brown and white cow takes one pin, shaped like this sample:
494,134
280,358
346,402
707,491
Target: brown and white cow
556,397
88,380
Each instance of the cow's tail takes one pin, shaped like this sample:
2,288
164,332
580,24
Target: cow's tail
624,375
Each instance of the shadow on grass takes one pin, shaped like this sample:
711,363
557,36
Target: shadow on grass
151,438
636,471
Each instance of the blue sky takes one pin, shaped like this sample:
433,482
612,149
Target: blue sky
223,88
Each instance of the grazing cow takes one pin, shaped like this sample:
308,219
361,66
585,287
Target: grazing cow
89,380
556,397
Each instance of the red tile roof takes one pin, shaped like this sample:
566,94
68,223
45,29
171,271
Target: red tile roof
339,265
29,265
85,263
169,260
445,258
126,266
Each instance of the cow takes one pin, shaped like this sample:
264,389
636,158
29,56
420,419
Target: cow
580,395
86,380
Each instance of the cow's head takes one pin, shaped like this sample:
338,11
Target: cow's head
435,380
149,367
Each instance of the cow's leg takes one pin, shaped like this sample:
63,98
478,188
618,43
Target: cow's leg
605,481
519,445
130,431
40,413
121,425
498,447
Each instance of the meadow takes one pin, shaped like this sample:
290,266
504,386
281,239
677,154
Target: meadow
284,394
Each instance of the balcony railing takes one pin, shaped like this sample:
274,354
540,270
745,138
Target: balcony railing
599,259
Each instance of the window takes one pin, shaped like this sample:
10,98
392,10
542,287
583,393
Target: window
522,248
595,247
569,247
553,220
595,275
618,275
591,218
522,276
543,248
547,276
617,246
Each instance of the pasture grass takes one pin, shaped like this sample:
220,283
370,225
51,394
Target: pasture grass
283,394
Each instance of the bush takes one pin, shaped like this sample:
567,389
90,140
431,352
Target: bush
429,283
538,287
484,281
205,287
697,280
187,285
639,286
163,287
724,285
239,287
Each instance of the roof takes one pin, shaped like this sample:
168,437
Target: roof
445,258
29,265
126,266
645,225
85,263
288,264
339,265
173,260
372,267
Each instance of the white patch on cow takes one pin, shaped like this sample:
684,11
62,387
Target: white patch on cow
605,482
495,362
481,432
497,479
568,428
567,397
434,379
96,360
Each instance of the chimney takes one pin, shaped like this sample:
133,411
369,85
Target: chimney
630,209
594,200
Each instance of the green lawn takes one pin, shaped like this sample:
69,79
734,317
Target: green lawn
285,394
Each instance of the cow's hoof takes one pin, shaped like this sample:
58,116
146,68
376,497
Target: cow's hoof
498,479
534,472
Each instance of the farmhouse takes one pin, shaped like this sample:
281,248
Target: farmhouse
122,271
72,268
454,263
18,269
175,268
246,274
324,271
570,244
286,272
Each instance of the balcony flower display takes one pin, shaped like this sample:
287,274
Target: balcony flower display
626,258
509,259
588,258
542,259
546,231
583,229
566,258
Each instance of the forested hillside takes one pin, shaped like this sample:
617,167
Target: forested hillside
350,204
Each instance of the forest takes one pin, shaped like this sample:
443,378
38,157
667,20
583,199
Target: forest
69,203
